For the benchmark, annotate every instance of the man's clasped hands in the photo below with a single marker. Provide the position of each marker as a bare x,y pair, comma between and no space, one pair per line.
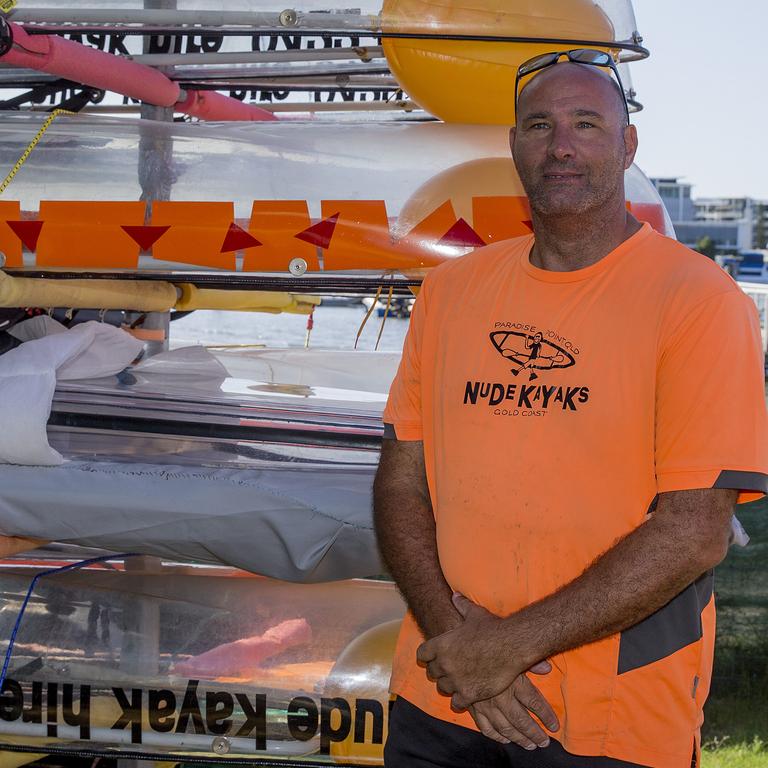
481,665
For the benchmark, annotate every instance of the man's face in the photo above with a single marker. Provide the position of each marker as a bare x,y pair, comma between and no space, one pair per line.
571,145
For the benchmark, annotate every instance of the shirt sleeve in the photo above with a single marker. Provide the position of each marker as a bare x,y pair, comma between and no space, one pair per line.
711,419
402,414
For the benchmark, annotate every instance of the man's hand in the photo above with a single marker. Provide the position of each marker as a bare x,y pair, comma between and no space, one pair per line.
686,536
473,662
507,717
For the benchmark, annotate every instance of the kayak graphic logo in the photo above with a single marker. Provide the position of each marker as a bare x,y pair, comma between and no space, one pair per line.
531,352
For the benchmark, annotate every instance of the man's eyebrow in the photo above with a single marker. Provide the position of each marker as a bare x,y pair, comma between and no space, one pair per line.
578,112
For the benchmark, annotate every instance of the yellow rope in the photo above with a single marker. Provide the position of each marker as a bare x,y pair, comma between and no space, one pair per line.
368,314
32,144
384,318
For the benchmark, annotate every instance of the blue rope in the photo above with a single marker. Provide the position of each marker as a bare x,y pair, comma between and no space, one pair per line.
32,585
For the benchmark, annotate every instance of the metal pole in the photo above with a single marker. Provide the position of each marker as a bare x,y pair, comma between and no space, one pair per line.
141,653
156,176
159,15
158,60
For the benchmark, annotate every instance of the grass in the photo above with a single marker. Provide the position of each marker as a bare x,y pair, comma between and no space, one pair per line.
736,720
735,733
746,755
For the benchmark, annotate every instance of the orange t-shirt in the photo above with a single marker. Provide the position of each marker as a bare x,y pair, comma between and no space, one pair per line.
554,407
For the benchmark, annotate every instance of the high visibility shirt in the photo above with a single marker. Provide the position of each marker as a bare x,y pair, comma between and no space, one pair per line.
554,407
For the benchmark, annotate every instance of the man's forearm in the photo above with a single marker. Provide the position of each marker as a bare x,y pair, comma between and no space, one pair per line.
636,577
687,535
405,528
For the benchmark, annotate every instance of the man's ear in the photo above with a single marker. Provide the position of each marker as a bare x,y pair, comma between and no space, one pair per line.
630,145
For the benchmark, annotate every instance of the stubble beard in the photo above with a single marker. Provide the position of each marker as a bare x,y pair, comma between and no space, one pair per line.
600,189
593,196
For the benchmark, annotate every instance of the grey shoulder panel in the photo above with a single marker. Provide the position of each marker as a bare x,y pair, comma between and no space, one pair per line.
672,627
742,481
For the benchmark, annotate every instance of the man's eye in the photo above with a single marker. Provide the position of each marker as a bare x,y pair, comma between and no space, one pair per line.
539,126
585,124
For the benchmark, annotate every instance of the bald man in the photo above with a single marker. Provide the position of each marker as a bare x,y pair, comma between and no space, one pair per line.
555,539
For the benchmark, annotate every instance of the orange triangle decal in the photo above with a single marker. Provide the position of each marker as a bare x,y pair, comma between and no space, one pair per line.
27,231
237,238
462,235
320,234
145,236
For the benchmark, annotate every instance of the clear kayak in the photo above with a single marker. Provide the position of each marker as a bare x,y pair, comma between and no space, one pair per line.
180,459
170,662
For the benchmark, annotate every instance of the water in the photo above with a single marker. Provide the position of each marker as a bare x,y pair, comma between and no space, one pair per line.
334,327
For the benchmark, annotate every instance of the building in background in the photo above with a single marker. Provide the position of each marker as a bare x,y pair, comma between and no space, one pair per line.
738,209
728,225
676,195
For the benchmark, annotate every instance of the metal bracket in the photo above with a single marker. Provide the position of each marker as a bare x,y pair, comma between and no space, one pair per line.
289,18
297,267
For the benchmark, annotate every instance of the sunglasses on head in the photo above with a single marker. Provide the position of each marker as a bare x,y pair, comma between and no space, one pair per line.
588,56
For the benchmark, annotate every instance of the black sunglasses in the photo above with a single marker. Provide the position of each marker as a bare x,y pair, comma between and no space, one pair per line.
589,56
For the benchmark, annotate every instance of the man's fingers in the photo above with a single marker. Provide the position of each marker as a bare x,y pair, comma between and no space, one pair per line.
461,603
542,668
482,722
515,723
425,653
530,697
434,670
459,703
466,607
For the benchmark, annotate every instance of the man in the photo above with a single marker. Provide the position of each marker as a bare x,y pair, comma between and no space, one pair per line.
532,357
567,526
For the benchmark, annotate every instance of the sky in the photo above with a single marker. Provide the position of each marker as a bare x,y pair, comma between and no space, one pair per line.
705,93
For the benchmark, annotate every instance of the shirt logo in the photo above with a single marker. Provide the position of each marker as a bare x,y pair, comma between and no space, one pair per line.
530,352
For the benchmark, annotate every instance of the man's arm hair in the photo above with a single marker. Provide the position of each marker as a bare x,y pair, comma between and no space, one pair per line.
405,527
686,536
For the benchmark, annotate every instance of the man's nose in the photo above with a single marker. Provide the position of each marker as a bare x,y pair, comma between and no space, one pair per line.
561,145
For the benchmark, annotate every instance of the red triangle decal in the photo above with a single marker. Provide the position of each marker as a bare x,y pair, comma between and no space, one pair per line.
320,234
462,235
528,223
237,238
27,231
145,236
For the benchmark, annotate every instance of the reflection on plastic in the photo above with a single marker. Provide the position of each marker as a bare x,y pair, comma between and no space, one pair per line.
170,661
481,73
344,197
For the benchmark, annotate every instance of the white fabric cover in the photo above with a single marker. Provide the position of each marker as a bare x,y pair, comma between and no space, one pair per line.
302,525
28,376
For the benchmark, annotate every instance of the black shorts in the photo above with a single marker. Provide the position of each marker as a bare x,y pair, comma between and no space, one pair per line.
418,740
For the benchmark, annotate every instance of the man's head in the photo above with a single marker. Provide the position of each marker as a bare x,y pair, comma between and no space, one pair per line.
572,143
